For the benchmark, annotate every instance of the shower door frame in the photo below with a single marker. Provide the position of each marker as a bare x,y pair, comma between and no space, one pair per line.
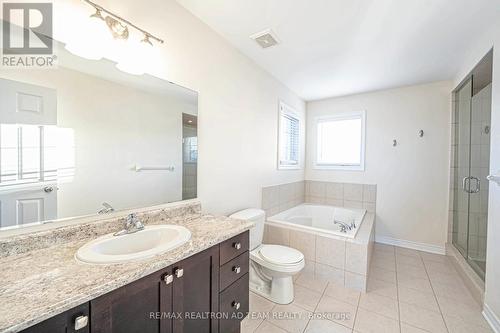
468,183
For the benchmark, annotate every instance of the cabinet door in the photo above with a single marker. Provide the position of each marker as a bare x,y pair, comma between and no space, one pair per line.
65,322
135,308
195,293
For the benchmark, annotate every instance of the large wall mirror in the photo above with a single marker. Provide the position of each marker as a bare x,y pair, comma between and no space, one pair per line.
87,139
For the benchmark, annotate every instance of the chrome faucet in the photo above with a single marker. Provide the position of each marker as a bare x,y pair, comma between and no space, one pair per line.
344,226
107,208
131,224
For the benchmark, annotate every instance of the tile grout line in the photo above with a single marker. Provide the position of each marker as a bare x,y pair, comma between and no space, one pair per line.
345,261
255,329
271,311
356,314
316,307
397,291
434,293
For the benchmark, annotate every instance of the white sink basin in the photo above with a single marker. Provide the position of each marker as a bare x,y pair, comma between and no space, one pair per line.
143,244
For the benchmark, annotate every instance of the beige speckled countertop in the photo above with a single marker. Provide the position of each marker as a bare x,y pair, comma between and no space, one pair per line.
41,283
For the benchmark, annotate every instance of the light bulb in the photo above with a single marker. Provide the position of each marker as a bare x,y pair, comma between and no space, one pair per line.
134,58
92,40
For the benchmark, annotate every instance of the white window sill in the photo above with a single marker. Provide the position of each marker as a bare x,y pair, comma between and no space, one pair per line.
340,167
289,167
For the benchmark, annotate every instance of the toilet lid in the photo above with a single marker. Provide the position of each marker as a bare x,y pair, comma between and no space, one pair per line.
281,255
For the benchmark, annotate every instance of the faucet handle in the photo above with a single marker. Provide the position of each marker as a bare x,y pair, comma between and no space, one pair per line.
134,221
129,221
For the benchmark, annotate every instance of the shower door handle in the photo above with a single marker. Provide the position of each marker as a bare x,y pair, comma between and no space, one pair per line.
478,185
466,184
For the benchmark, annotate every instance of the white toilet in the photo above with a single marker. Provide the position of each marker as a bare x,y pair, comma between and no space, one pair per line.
271,266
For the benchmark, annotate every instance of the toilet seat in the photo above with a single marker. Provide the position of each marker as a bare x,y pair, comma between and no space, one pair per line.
257,256
280,255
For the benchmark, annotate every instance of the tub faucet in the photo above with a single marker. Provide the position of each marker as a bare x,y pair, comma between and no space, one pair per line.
107,208
132,224
343,226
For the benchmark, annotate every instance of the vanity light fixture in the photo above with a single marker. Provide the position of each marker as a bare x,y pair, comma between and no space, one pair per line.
119,26
108,35
118,30
89,45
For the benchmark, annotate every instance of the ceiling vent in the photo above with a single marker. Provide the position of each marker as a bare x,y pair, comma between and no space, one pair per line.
266,38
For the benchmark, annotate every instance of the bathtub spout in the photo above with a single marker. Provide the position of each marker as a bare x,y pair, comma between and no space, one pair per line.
343,226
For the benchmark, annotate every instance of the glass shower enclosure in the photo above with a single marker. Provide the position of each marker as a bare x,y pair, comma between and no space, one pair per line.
470,166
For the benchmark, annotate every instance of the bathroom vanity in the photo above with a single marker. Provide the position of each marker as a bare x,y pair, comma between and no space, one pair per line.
202,286
197,287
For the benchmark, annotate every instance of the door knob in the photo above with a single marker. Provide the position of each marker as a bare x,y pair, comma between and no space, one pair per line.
237,246
237,269
48,189
236,305
179,272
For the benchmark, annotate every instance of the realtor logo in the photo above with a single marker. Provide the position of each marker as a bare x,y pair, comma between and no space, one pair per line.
27,35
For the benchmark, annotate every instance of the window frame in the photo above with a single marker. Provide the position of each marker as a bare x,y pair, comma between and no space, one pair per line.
337,117
21,180
286,110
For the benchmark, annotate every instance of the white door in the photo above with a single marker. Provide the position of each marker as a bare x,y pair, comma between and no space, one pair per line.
28,174
23,103
28,205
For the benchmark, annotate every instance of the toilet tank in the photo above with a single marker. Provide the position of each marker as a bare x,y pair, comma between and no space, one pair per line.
258,216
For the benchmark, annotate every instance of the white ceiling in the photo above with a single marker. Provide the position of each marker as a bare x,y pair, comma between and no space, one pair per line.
340,47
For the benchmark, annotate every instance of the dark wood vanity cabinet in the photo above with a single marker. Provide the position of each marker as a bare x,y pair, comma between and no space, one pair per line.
174,300
195,294
205,293
234,279
65,322
136,307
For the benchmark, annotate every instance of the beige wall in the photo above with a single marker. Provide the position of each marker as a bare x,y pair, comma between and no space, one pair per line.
238,101
492,282
411,178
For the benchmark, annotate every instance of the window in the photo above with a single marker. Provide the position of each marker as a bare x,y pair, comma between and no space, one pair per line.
191,149
341,142
34,154
289,138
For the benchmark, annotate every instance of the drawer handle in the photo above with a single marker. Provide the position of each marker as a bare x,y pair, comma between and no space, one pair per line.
179,272
81,322
237,269
237,246
236,305
169,278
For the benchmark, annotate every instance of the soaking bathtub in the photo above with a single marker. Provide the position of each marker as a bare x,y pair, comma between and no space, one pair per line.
320,218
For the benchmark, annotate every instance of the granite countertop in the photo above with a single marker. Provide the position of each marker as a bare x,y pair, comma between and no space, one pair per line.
42,283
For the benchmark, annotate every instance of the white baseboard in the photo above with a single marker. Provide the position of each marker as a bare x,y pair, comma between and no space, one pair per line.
491,318
411,245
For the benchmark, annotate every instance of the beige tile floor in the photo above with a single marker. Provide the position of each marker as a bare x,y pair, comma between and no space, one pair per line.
408,292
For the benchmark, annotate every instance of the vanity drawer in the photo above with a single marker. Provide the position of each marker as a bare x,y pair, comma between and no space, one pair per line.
233,270
233,247
233,303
